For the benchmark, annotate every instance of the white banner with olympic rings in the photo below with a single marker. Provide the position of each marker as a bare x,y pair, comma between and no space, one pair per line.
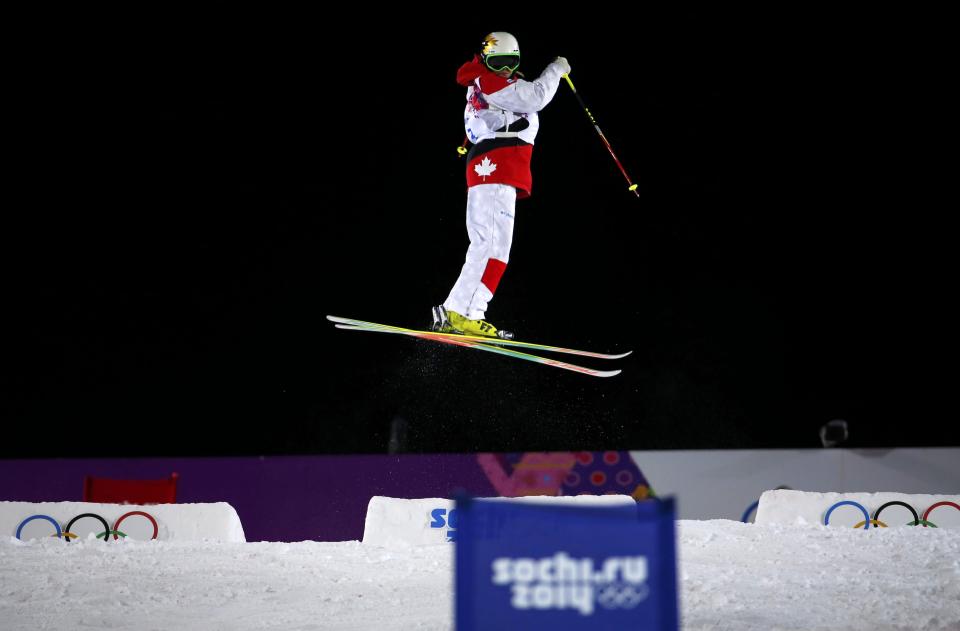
109,522
859,510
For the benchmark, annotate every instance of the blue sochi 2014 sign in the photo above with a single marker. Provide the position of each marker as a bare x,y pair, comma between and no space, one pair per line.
527,566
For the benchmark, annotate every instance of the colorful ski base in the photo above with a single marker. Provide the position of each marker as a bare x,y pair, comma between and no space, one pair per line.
459,340
483,340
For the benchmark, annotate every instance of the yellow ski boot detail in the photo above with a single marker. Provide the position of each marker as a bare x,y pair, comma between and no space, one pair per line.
447,321
480,328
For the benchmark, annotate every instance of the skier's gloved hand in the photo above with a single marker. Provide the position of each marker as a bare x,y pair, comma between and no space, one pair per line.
564,64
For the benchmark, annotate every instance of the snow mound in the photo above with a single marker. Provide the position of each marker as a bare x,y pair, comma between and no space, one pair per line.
731,575
393,522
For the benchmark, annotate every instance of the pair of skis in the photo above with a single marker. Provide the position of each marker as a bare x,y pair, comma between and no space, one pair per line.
488,344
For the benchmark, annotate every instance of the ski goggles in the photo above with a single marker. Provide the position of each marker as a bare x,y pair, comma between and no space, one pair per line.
498,63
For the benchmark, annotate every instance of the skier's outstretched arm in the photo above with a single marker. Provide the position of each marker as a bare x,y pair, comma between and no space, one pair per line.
525,96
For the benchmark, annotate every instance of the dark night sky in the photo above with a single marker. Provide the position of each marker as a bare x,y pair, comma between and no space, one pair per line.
201,190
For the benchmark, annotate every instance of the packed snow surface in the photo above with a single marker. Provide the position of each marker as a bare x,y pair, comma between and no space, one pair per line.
732,576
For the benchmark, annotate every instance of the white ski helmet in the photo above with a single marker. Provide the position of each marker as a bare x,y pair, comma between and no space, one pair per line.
501,51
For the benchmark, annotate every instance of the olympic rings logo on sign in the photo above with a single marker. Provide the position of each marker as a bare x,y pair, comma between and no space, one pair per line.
867,521
622,595
65,533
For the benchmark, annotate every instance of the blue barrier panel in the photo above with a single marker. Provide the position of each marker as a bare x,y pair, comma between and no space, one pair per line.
525,566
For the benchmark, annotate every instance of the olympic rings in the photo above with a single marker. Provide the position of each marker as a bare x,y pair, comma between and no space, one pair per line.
745,518
929,510
866,522
106,527
872,521
620,595
916,518
116,526
53,521
866,515
876,522
107,531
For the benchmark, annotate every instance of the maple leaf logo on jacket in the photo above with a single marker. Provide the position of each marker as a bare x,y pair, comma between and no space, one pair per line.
485,168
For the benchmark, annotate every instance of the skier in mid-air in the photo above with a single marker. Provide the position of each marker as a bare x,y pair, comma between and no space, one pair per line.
501,122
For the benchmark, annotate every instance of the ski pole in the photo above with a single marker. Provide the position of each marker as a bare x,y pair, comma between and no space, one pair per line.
632,186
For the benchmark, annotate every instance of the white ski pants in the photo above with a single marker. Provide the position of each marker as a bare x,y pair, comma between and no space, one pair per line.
490,212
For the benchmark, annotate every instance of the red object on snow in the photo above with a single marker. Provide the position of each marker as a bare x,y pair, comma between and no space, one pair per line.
110,491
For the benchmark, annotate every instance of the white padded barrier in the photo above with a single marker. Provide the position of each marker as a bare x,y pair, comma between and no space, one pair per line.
175,522
802,507
395,522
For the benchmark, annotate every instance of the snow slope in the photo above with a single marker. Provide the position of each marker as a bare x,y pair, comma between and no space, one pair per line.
732,576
